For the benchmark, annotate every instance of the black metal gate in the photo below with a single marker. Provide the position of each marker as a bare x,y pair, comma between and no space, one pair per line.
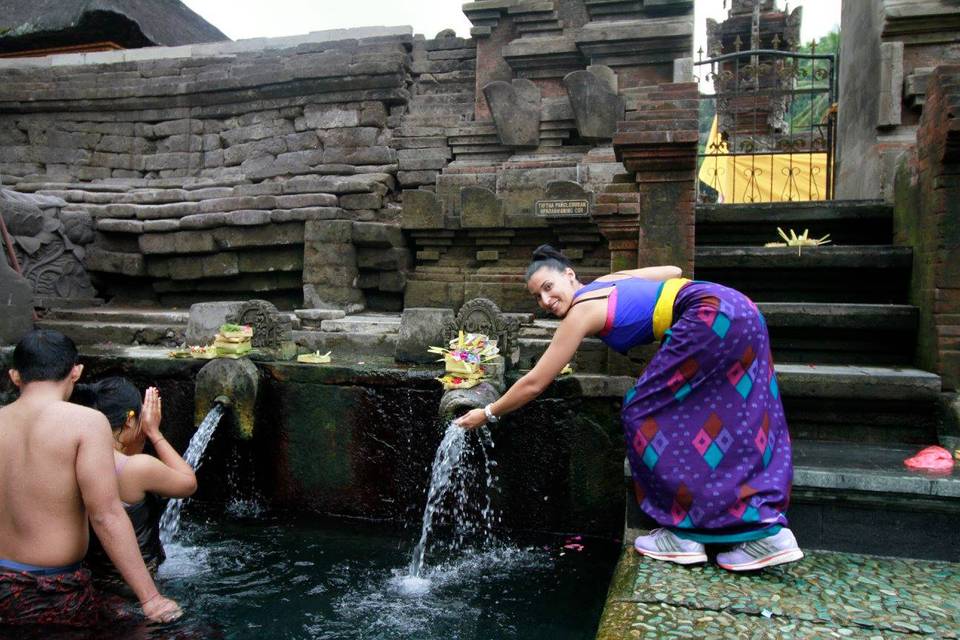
767,133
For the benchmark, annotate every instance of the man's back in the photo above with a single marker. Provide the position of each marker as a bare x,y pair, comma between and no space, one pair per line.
42,519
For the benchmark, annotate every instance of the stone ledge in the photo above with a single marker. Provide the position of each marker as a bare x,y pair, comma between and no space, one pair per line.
836,316
121,315
867,468
224,49
118,333
844,257
854,210
862,382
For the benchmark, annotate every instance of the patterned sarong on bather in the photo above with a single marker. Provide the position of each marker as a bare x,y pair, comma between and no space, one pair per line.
67,599
704,425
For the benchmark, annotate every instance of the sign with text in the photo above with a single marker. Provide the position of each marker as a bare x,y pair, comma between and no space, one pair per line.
563,208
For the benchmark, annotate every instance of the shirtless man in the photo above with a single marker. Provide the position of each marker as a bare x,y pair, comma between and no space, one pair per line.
56,470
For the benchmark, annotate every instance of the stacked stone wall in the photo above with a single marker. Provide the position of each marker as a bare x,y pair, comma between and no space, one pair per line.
201,169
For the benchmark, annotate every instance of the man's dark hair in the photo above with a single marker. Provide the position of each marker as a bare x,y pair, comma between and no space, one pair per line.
44,354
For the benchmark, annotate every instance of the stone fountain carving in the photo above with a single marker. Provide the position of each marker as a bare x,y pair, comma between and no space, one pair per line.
232,383
481,315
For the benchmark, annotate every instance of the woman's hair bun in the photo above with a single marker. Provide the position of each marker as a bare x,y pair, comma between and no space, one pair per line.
547,256
546,252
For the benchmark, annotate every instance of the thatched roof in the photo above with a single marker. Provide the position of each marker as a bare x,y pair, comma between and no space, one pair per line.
40,24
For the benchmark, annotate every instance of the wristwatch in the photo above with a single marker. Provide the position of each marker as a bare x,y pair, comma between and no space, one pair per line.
489,414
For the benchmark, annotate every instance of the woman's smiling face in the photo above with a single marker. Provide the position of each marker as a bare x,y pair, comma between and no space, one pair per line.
553,289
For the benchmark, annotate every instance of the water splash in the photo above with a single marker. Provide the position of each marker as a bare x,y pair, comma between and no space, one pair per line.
248,508
452,475
170,520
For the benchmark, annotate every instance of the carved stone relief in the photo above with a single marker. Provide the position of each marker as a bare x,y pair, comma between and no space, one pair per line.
49,244
270,328
515,107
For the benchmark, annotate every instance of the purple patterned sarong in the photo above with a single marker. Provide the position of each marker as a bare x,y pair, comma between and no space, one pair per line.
704,425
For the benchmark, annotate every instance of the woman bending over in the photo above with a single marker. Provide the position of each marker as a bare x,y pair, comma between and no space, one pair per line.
704,426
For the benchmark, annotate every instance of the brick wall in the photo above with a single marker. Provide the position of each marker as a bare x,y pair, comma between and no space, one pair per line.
928,218
652,221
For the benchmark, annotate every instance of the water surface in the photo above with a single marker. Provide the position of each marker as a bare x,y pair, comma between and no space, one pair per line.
349,580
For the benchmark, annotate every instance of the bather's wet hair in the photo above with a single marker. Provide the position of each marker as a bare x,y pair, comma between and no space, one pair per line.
44,355
114,397
547,256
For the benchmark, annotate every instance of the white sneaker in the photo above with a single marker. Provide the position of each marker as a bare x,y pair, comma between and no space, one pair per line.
765,552
662,544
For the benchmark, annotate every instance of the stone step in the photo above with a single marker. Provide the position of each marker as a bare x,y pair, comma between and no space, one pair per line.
849,222
461,110
118,333
831,402
348,345
856,403
445,87
794,322
432,120
363,323
842,491
841,333
109,315
844,273
858,381
56,302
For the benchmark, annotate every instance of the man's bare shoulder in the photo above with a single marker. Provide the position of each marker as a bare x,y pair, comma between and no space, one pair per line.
75,416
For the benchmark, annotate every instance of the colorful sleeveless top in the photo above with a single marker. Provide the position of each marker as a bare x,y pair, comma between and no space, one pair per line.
639,311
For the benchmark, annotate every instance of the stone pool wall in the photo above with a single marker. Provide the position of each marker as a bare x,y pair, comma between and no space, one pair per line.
358,441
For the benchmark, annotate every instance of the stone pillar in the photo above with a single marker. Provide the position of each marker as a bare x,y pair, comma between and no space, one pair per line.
927,217
330,271
649,220
493,30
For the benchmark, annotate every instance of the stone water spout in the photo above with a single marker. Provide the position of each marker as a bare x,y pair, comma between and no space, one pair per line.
482,315
233,384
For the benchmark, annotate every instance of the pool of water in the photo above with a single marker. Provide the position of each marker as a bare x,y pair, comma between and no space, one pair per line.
256,575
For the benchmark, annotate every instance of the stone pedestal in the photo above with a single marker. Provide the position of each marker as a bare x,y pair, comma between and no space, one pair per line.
420,329
206,319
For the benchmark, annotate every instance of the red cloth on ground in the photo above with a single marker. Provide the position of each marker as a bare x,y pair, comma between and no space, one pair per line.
931,459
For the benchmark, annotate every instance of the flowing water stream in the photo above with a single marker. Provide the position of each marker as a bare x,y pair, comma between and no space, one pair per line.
451,480
170,520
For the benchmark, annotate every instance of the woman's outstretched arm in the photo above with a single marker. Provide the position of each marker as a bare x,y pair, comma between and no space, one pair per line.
582,320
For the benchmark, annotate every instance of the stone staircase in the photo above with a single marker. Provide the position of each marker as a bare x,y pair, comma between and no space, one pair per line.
842,336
